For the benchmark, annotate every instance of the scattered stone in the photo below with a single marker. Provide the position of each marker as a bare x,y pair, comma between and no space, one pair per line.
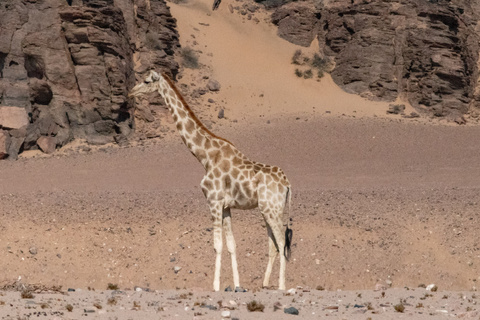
213,85
291,310
432,287
221,114
33,250
396,109
226,314
47,144
71,290
460,120
210,100
4,144
291,291
176,269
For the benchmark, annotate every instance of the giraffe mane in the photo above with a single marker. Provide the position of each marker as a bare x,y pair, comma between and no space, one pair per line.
187,107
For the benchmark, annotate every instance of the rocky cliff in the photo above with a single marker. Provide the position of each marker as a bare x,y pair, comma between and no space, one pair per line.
66,67
424,51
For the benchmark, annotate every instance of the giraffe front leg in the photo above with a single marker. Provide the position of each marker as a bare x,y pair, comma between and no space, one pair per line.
272,254
231,246
216,211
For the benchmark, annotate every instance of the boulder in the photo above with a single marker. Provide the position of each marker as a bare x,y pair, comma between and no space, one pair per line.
47,144
4,144
297,22
13,117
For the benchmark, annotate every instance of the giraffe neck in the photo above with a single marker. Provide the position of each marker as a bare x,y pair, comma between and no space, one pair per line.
193,133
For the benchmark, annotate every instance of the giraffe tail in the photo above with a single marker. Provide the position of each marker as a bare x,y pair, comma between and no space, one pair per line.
288,231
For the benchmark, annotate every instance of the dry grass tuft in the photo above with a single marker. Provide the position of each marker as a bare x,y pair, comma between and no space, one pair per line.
254,306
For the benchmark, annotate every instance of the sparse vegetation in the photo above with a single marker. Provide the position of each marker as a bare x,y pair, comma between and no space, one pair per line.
296,57
399,307
69,308
189,58
112,301
308,74
254,306
112,286
320,288
44,306
419,305
136,305
321,65
27,294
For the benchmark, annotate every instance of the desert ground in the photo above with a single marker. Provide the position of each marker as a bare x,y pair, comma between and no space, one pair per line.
382,206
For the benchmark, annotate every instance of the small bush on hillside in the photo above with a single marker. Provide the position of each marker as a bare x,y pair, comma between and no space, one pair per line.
317,63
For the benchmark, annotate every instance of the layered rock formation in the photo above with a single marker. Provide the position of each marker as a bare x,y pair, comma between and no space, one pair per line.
424,51
67,66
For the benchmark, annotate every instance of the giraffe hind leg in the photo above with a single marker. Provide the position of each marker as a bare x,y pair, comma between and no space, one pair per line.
272,254
274,221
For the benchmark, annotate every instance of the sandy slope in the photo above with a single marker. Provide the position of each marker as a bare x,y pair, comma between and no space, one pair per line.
254,66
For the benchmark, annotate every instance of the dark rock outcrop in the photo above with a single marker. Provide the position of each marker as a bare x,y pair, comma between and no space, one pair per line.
70,65
424,51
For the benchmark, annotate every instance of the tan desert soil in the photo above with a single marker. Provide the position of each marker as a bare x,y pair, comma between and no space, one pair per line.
375,202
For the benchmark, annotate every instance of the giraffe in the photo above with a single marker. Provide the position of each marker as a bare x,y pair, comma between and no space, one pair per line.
231,181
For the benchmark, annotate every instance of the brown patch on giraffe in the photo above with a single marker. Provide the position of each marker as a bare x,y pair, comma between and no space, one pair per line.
207,144
207,184
227,151
217,184
214,156
216,144
274,169
198,139
237,161
217,173
179,126
200,154
175,117
190,126
225,166
182,114
235,172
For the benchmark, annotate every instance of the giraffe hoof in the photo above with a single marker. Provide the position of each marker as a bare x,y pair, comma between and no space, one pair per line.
228,289
240,289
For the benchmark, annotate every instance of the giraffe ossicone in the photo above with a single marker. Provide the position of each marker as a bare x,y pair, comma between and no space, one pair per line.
231,181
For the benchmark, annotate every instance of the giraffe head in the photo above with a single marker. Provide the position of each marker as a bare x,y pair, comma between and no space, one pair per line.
150,84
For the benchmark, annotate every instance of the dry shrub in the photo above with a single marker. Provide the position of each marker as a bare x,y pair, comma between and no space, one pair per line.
254,306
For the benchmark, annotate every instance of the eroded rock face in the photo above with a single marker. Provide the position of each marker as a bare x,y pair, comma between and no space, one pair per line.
70,64
425,51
